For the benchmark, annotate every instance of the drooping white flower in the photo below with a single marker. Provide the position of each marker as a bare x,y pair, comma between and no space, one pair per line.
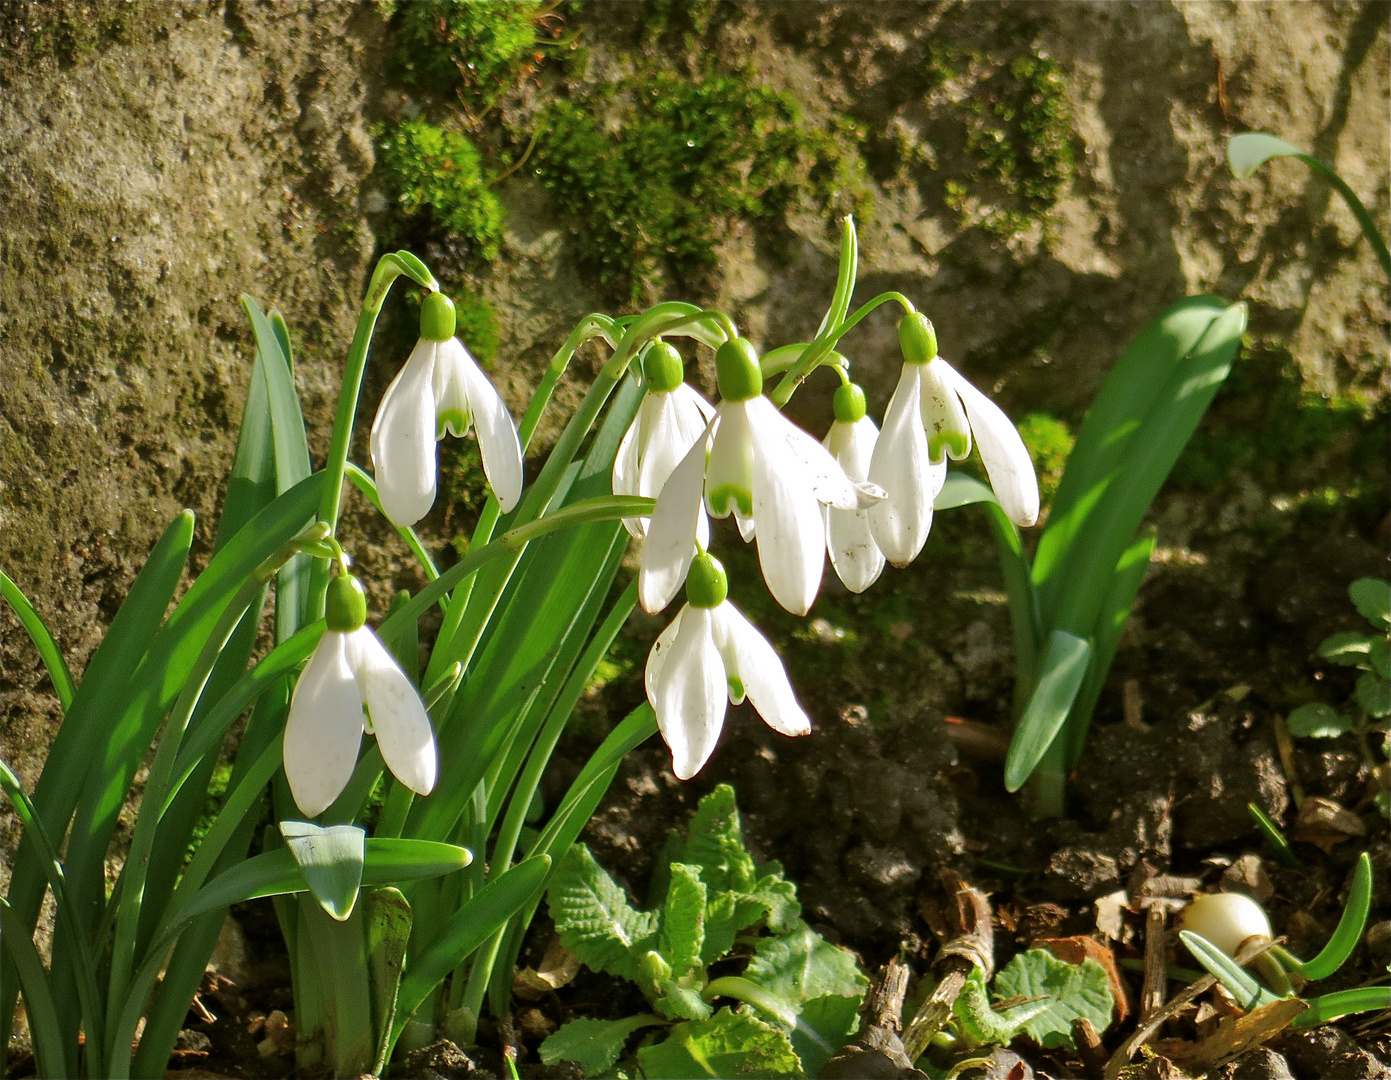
854,554
441,387
351,685
670,419
772,476
711,656
932,416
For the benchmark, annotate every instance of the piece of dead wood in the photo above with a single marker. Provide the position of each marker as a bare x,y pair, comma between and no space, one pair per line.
877,1051
1234,1036
1089,1049
972,947
1156,983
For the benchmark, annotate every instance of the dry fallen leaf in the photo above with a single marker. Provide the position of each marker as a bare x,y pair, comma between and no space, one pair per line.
1325,824
1234,1035
1247,875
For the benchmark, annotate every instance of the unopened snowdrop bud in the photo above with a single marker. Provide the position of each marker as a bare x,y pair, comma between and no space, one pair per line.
1227,920
917,338
441,388
662,368
707,585
351,685
437,317
737,370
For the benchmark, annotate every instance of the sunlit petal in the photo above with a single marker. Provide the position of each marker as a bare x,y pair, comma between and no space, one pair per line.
829,484
324,727
497,434
900,465
760,670
689,695
943,418
857,560
1006,459
729,476
403,440
791,530
398,716
671,534
625,470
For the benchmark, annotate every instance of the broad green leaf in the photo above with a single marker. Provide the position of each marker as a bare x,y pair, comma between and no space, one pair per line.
729,1044
801,965
330,860
473,923
1379,657
683,920
1373,693
715,844
1060,677
779,897
678,1002
1241,984
1250,150
43,641
962,489
1317,721
595,920
1348,648
1071,990
1349,929
594,1045
824,1025
1372,596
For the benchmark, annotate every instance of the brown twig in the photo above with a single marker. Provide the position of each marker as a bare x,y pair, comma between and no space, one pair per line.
1156,979
973,947
1089,1048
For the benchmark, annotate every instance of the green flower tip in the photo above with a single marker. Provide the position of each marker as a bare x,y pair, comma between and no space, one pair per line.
345,605
737,370
437,317
849,404
706,583
917,339
662,367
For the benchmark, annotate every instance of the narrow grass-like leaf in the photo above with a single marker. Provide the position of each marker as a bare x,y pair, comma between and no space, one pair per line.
1060,676
387,917
1330,1007
1249,993
43,641
45,1034
1273,836
1333,955
330,858
472,924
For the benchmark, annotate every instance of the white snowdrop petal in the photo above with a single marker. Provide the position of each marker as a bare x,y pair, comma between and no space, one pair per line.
403,440
497,434
690,405
671,534
404,735
1006,459
900,465
791,530
761,671
942,414
689,695
661,649
829,484
729,475
324,728
663,450
857,560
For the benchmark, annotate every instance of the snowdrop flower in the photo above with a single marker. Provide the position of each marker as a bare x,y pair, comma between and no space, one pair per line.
710,656
931,417
670,419
854,554
351,685
772,476
441,387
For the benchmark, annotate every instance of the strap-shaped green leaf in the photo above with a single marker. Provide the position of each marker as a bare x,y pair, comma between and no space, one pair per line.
1330,1007
1060,676
1333,955
1248,992
330,858
45,1033
43,641
475,922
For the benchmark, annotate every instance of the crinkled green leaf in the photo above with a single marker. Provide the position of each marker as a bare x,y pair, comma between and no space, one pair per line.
1372,596
1373,693
729,1044
1317,721
715,843
678,1002
1349,648
683,919
801,965
593,1045
1072,990
726,914
594,918
779,898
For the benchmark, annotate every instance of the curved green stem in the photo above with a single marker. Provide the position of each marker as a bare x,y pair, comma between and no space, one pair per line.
1360,212
822,348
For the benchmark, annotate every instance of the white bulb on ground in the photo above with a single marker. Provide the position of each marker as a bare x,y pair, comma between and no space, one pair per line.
1226,920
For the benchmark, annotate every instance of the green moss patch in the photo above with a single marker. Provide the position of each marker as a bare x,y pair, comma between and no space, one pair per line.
472,47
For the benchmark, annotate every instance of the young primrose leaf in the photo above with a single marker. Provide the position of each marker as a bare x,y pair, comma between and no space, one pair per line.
728,1044
683,920
802,965
1072,990
1372,596
594,918
593,1045
1317,721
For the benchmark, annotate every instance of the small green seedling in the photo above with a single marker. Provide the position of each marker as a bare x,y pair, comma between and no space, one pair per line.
805,993
1251,994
